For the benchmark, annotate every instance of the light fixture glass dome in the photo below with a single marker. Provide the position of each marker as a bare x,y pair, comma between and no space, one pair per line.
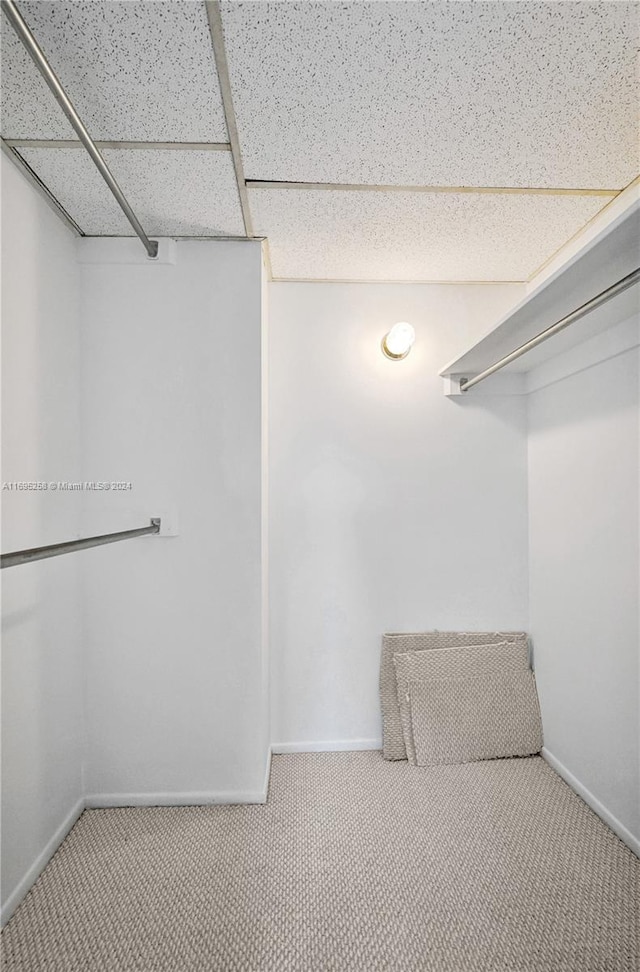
398,342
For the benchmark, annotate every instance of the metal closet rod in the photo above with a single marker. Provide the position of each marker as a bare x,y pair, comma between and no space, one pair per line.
601,298
18,23
56,549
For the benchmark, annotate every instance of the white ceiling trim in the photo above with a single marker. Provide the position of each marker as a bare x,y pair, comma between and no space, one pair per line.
377,280
495,190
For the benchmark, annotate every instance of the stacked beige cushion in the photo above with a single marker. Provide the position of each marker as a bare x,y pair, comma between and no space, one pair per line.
392,735
466,662
461,720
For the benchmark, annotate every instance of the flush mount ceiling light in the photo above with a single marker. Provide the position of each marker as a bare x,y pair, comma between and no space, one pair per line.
398,342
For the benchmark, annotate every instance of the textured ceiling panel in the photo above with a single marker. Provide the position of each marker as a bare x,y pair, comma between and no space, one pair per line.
134,71
172,193
394,235
454,94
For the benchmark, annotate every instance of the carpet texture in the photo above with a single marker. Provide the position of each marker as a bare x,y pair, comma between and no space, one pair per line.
459,720
354,865
467,662
392,737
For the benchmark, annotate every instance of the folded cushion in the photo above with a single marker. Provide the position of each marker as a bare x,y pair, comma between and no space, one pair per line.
392,738
461,720
467,662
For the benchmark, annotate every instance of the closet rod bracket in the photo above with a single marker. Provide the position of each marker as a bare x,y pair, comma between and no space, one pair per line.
17,557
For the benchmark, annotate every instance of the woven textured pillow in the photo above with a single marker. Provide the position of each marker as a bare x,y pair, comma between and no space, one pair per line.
392,739
461,720
468,662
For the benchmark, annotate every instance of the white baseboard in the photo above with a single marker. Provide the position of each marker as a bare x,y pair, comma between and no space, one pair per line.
619,829
40,862
267,777
328,746
101,801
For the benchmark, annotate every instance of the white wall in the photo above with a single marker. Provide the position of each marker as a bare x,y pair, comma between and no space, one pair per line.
176,658
42,709
584,540
392,507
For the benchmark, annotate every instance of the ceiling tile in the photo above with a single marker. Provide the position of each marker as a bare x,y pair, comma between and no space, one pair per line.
453,94
173,193
136,71
396,235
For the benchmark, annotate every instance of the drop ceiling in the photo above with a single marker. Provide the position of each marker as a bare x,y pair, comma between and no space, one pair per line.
172,192
366,141
138,71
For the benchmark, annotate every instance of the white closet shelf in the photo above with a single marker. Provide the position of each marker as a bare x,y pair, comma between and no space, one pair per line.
609,252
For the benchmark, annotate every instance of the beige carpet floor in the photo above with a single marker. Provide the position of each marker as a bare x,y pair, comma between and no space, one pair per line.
354,864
